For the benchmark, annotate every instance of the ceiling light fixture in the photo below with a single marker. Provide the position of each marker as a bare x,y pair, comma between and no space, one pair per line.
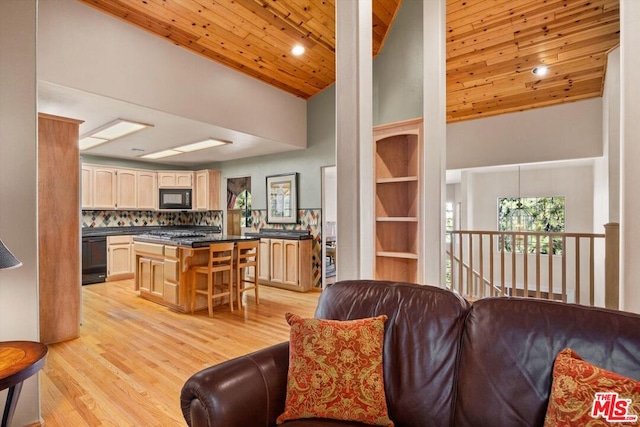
196,146
540,71
297,50
112,130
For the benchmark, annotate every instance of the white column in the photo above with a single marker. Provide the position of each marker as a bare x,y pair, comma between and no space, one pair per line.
435,138
354,134
630,156
18,186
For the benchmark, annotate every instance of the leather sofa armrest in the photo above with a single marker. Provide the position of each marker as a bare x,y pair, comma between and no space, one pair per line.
246,391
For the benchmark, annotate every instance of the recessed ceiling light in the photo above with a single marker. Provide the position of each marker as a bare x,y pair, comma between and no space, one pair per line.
540,71
297,50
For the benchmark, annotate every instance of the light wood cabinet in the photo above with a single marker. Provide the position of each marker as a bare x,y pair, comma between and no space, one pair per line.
285,264
398,181
123,188
158,274
171,284
127,188
149,274
264,260
104,188
58,190
175,179
118,188
147,190
207,190
86,183
119,257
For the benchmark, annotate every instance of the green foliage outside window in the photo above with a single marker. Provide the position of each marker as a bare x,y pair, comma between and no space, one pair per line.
535,214
243,202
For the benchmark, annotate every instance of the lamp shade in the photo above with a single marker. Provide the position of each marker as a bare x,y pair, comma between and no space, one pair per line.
7,260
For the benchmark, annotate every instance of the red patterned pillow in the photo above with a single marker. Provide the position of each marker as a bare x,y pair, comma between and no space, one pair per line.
335,370
585,395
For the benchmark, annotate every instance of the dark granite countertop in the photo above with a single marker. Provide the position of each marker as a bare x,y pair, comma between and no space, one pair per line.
272,233
124,231
192,242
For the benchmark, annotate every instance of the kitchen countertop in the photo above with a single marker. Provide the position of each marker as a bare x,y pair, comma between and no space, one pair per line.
192,242
124,231
272,233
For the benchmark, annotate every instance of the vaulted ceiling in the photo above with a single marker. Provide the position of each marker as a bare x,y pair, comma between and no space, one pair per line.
492,45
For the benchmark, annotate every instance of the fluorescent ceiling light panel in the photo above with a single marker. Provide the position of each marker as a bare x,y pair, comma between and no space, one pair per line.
196,146
90,141
118,129
115,129
161,154
202,145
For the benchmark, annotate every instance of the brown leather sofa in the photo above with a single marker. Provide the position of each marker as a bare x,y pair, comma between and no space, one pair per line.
446,363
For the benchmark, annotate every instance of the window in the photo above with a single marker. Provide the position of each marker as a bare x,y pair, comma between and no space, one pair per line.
532,214
243,203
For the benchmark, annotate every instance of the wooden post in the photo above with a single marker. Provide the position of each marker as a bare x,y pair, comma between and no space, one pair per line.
612,265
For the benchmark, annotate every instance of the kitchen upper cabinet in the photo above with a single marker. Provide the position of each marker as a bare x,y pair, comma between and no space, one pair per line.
126,182
118,188
86,183
104,188
175,179
207,190
99,187
147,190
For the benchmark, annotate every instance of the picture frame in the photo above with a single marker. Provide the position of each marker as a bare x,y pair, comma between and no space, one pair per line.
282,198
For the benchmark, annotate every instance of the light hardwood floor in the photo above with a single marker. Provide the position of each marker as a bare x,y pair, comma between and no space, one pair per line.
133,356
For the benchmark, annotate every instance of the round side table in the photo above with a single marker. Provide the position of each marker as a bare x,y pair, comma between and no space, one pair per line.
18,361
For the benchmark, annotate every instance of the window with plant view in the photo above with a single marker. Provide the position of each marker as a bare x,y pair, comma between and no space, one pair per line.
532,214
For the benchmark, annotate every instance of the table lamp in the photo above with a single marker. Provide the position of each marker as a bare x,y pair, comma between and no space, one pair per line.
7,260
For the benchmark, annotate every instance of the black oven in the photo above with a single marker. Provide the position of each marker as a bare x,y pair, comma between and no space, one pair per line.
94,259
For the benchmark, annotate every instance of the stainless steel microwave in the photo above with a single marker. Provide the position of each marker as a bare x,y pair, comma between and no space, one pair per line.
175,198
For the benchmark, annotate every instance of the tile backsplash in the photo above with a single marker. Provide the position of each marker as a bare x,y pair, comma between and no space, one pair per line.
148,218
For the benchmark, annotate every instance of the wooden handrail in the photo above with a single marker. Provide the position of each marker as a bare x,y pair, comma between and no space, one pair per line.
470,262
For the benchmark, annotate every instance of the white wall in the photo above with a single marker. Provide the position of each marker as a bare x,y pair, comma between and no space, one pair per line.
574,180
330,212
18,186
563,132
630,155
82,48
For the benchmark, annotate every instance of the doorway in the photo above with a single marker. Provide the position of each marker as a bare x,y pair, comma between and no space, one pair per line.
238,205
329,224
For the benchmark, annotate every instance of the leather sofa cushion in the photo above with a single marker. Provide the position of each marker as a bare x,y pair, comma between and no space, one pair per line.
422,339
509,346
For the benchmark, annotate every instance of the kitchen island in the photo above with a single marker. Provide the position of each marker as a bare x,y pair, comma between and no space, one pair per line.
162,263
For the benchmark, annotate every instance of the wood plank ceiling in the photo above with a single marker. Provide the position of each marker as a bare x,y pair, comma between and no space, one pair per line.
492,45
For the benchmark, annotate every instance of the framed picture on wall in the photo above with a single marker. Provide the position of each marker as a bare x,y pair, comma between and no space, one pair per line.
282,199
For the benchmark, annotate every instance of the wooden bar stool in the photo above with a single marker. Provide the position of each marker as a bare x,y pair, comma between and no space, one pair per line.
247,257
220,261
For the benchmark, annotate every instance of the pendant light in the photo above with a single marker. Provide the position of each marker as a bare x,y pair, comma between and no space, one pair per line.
519,219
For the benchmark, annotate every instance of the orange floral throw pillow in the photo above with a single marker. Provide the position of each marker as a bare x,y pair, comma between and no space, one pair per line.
335,370
585,395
